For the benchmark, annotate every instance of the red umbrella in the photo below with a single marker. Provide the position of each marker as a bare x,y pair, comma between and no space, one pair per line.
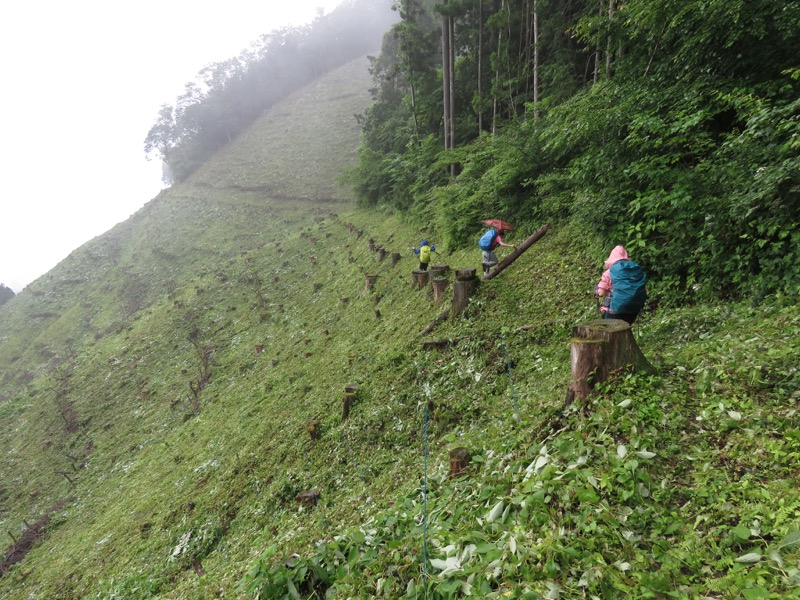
498,224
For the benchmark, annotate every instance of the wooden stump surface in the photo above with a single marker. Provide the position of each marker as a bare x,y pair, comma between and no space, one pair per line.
601,349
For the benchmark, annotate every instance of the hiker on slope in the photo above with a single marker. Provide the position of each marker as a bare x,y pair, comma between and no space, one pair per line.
424,251
623,286
488,242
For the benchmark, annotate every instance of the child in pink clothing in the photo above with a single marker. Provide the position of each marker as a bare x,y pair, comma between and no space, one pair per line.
632,280
605,286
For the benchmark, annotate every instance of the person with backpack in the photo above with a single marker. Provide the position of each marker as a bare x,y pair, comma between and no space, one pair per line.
425,250
488,242
623,284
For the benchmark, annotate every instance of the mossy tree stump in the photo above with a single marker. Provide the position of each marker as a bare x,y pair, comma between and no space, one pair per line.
600,350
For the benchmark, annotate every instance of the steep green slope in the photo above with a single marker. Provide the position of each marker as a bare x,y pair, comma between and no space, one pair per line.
185,354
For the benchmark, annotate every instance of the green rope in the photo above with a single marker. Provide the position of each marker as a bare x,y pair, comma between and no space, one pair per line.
425,507
510,377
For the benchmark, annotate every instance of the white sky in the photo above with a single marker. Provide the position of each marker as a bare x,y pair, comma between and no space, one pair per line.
82,84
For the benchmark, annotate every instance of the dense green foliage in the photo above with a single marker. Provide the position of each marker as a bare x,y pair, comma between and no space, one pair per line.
230,95
673,128
159,387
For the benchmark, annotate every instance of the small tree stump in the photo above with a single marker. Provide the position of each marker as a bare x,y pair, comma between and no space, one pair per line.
370,282
314,428
381,253
308,498
420,279
459,461
600,350
395,258
371,245
259,349
439,287
464,287
350,393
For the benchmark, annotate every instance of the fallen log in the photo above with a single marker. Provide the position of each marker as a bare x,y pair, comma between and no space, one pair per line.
516,253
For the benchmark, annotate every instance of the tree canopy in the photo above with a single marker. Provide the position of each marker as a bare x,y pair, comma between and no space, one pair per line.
228,96
6,294
670,127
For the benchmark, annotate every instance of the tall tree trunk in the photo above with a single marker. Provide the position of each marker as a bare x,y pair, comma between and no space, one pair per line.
528,44
535,59
446,77
480,66
495,87
451,54
612,7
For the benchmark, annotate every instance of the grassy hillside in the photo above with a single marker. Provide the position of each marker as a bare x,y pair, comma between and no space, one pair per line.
159,385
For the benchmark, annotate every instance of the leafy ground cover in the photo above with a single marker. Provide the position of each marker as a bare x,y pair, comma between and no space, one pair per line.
169,392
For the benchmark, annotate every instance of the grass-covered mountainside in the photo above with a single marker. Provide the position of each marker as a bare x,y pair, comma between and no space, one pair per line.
161,386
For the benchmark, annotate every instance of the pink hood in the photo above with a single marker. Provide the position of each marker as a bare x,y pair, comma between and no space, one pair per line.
618,253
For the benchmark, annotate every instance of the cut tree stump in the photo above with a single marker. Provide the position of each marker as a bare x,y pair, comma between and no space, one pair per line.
459,461
439,287
395,258
438,271
420,279
314,428
464,287
308,498
369,282
350,392
600,350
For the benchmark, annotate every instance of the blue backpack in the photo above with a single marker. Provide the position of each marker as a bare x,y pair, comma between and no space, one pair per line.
628,281
487,240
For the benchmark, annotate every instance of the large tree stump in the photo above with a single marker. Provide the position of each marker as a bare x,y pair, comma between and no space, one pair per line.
464,287
600,350
420,279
